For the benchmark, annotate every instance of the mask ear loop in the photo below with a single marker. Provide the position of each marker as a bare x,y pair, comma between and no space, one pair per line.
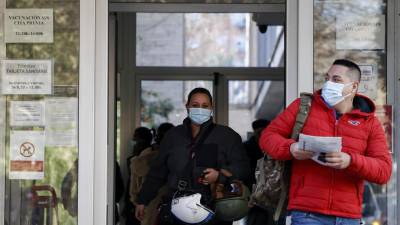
352,90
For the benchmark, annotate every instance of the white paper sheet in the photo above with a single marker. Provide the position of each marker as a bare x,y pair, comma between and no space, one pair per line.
61,122
28,26
27,155
27,113
320,145
26,77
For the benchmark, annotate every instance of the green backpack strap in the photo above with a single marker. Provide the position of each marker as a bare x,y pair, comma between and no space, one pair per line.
304,109
305,103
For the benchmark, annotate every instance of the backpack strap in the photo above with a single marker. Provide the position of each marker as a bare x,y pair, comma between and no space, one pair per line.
302,114
304,108
184,181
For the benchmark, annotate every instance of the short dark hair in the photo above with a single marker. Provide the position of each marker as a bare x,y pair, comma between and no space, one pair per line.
144,134
201,91
164,127
260,123
354,69
161,131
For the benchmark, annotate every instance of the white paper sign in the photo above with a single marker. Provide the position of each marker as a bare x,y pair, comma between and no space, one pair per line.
27,113
27,155
28,25
365,33
369,81
26,77
61,122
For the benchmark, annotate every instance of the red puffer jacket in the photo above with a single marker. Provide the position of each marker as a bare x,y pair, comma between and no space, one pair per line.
321,189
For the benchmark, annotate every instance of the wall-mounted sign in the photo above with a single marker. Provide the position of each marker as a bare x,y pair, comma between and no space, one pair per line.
28,25
26,77
61,122
369,81
27,155
27,113
360,33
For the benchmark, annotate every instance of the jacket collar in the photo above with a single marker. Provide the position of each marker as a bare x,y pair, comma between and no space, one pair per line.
187,124
362,105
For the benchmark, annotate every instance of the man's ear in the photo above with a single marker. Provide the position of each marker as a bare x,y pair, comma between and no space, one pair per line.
355,86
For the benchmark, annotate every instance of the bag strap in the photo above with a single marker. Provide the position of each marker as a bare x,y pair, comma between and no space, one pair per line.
301,117
304,108
185,178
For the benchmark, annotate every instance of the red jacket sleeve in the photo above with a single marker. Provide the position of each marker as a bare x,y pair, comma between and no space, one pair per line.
376,165
275,139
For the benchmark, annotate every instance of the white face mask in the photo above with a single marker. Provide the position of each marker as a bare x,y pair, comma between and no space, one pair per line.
199,115
333,92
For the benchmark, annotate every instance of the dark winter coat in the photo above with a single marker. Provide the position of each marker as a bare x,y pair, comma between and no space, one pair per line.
222,149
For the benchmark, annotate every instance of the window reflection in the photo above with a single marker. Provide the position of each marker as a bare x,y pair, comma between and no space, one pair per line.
208,40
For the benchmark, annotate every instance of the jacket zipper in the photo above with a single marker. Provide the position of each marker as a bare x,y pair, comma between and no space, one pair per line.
333,171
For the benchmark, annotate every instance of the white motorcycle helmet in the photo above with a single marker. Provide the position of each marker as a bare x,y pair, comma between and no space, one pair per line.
189,210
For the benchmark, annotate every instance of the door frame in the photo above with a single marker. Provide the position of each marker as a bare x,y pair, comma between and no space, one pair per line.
127,71
396,113
93,114
94,160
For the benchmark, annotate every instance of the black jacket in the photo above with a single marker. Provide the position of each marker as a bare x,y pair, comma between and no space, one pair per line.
222,149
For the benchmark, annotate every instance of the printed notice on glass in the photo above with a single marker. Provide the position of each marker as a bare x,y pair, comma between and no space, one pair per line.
61,122
27,155
28,25
26,77
27,113
320,145
369,81
360,33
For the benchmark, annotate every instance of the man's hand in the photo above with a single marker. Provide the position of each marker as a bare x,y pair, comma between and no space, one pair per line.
139,212
337,160
300,154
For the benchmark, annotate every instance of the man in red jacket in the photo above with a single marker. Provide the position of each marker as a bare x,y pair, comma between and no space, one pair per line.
332,193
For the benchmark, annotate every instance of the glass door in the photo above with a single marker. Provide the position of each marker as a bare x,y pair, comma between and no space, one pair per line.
176,52
39,53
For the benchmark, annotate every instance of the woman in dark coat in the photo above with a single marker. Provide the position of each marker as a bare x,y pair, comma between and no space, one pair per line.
217,147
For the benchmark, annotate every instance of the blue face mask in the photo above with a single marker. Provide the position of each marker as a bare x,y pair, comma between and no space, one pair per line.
199,115
333,92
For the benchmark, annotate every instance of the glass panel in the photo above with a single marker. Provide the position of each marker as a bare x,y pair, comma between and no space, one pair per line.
40,89
252,100
203,1
209,39
356,30
164,101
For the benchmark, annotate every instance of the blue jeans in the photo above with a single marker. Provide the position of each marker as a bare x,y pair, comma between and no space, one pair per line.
308,218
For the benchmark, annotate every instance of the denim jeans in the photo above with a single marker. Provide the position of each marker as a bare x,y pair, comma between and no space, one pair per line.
308,218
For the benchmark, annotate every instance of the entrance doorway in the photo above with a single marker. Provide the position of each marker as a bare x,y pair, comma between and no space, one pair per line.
160,56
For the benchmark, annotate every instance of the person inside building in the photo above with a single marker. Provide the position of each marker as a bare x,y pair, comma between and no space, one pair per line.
193,157
141,141
257,215
329,190
140,166
160,133
253,150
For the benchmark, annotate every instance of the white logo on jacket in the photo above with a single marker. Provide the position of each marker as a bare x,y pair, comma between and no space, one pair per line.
354,122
